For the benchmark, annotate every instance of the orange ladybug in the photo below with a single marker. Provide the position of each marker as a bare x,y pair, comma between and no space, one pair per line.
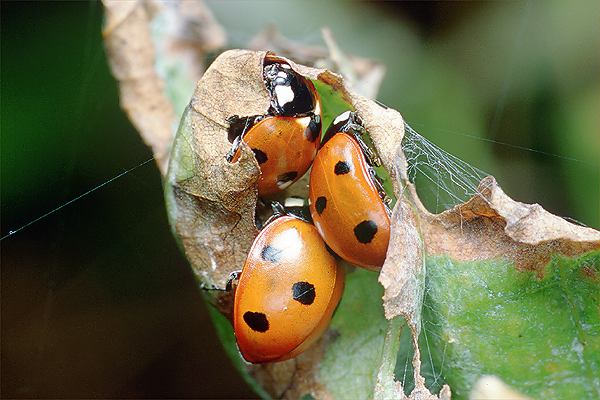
286,141
287,292
345,203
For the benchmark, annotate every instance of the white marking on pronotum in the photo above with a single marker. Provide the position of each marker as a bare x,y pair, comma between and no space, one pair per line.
341,117
284,94
318,108
294,202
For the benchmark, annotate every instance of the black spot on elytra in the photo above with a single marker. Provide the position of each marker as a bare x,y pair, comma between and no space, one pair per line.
365,231
303,292
256,321
287,177
270,253
260,155
320,204
341,168
313,129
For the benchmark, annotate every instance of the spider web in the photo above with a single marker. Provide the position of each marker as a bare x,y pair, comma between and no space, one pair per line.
442,179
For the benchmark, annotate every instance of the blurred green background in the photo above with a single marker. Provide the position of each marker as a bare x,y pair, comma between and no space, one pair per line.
96,299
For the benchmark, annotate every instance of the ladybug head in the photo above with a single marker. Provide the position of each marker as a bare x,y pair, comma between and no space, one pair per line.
291,94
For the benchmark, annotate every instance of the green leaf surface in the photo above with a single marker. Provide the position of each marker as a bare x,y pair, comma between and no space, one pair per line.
349,368
541,336
332,104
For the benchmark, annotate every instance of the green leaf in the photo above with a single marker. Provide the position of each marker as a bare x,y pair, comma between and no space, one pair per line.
332,104
541,336
349,367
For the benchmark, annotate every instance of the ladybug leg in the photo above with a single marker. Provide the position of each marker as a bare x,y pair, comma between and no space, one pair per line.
209,288
267,211
238,126
231,284
295,207
234,148
232,281
387,201
278,209
357,131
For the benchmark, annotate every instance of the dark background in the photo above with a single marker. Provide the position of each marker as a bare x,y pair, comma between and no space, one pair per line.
97,301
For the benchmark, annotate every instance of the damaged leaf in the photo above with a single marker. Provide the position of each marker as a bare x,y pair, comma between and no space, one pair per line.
155,50
492,225
456,287
212,201
212,206
539,336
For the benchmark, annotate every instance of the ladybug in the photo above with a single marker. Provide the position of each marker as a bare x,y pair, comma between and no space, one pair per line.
286,293
286,140
346,200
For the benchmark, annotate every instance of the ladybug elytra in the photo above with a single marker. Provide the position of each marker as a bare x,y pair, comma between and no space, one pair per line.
345,202
287,292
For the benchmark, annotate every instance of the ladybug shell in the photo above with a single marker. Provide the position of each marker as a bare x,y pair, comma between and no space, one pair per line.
345,204
287,292
284,147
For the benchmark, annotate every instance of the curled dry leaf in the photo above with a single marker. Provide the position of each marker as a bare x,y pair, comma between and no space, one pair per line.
132,47
491,225
212,203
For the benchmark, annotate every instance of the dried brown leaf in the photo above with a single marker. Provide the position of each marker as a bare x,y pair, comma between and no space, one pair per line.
131,52
215,205
491,225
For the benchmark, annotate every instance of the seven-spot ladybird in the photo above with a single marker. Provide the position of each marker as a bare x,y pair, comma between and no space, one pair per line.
287,292
286,141
345,203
